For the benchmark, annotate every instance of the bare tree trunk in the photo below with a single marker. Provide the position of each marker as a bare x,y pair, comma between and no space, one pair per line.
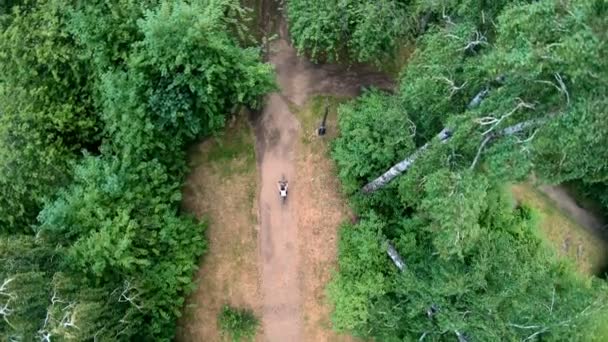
443,136
479,97
402,166
397,260
476,101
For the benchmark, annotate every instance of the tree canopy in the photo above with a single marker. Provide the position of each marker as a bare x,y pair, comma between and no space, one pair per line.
520,88
97,106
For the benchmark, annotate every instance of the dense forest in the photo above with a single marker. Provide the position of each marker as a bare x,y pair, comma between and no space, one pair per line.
98,101
495,91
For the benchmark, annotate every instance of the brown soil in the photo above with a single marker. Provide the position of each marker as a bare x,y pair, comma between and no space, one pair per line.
228,273
297,239
321,210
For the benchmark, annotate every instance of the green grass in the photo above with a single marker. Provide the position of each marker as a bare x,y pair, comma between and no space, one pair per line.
568,239
311,115
233,152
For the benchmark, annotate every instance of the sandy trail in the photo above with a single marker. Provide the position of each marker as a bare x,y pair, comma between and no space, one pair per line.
277,131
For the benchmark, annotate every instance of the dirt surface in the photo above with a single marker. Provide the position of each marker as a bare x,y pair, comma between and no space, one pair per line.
566,203
321,210
228,273
288,249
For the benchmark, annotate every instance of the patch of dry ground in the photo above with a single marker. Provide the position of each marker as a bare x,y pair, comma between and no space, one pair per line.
569,234
222,188
321,209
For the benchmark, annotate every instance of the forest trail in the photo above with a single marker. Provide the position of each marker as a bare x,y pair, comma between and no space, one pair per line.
594,223
277,133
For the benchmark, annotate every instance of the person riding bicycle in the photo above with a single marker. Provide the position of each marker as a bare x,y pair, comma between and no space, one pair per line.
283,185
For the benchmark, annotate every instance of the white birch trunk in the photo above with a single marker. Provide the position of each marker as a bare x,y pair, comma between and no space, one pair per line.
443,136
402,166
397,260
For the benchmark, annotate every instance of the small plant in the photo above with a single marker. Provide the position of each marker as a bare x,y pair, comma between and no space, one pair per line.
237,324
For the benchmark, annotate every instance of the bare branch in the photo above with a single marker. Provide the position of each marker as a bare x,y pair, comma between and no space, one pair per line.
495,122
453,87
69,316
524,326
45,336
530,138
447,18
535,334
562,87
451,35
5,311
3,288
479,39
552,301
479,150
125,296
55,298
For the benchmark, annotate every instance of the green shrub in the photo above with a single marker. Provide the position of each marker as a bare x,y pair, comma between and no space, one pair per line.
238,324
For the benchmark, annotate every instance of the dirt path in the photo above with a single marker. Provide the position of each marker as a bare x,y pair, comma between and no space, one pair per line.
583,216
277,131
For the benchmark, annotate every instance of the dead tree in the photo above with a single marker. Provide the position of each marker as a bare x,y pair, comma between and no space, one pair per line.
461,337
446,134
476,101
482,94
394,255
405,164
129,296
443,136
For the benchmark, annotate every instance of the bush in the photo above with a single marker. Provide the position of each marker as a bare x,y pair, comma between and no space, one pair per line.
238,324
367,30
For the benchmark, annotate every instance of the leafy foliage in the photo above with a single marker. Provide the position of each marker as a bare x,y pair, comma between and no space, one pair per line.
47,109
367,30
95,122
372,31
369,144
476,268
239,324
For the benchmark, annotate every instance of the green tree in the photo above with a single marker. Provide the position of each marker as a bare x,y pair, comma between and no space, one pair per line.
366,31
369,143
47,109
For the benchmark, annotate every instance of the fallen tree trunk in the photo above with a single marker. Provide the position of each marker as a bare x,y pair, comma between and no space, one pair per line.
443,136
402,166
476,101
394,255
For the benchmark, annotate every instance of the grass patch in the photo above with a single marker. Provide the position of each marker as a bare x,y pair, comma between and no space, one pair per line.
232,152
237,324
311,116
568,238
